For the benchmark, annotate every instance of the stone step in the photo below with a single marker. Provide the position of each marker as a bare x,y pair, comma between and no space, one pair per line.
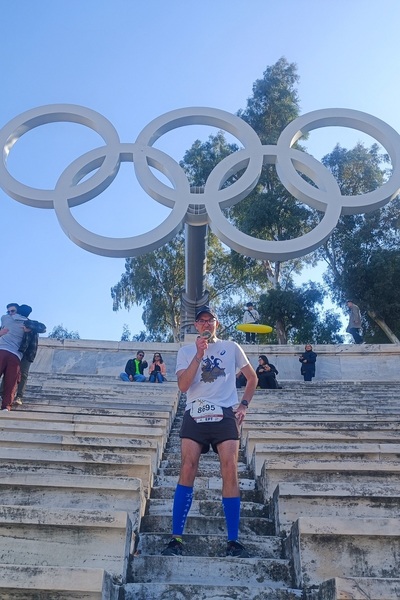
74,462
73,491
251,437
229,571
328,471
201,525
322,548
96,403
294,500
210,544
79,442
251,495
363,452
214,483
87,429
204,470
358,588
329,411
43,536
71,414
156,591
22,582
206,507
352,425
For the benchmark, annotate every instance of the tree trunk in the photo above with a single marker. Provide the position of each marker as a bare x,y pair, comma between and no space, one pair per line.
382,324
280,332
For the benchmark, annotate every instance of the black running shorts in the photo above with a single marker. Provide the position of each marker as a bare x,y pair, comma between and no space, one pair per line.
210,434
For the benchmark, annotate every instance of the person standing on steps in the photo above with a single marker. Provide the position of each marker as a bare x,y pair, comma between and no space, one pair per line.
29,347
252,317
11,333
354,326
308,360
206,371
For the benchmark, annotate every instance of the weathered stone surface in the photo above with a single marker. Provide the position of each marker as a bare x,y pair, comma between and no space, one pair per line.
21,582
293,500
83,393
341,362
185,570
335,471
357,547
251,437
73,491
358,588
187,591
362,452
59,537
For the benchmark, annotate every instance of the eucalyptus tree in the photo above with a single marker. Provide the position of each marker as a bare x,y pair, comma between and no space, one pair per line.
59,332
156,280
300,316
362,254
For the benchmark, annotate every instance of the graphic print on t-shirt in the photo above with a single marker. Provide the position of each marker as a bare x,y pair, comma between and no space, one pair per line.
211,369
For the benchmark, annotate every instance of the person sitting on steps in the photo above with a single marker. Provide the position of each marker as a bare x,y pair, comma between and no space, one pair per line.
157,369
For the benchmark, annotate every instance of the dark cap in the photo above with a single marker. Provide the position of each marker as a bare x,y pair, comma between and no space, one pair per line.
205,309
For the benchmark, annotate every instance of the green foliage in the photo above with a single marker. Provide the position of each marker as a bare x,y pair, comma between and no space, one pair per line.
274,102
362,253
298,311
202,157
59,332
375,288
155,281
126,333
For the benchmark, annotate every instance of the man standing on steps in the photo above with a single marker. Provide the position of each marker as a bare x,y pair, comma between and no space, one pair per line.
354,326
251,317
206,371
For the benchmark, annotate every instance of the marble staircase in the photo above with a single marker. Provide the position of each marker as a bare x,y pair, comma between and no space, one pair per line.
88,466
204,572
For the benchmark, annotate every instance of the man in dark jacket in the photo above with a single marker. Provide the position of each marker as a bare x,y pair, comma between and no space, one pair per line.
134,368
28,347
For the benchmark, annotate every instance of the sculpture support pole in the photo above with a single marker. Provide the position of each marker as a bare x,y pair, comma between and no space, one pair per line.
194,295
195,272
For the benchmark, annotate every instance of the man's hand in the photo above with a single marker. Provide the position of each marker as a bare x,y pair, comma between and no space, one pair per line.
3,331
201,345
240,413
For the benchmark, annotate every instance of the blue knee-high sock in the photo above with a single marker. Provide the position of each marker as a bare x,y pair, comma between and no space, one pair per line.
232,516
182,502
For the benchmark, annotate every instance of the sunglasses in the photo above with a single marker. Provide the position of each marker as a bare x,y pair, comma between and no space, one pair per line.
11,311
205,321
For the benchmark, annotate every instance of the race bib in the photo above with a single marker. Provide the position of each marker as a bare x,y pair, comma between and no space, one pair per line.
203,411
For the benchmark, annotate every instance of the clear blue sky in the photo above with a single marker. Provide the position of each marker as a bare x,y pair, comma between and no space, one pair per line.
133,60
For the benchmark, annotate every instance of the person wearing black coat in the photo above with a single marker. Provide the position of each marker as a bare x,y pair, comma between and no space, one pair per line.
308,359
266,373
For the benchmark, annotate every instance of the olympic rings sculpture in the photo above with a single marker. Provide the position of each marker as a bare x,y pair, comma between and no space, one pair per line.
72,189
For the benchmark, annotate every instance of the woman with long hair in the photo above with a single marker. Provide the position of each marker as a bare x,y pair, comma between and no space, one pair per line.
157,369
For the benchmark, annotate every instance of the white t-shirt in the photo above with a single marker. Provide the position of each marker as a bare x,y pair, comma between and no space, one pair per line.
215,379
250,315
